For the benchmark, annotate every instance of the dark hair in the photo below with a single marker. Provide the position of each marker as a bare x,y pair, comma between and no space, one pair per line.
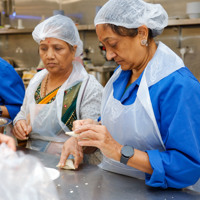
71,48
130,32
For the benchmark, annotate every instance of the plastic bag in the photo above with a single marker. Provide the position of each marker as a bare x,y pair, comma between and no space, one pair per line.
24,177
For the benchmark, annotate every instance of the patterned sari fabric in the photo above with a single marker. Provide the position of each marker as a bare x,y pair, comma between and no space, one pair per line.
69,102
69,105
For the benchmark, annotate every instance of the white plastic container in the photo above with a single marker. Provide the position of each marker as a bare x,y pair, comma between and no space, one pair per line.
193,10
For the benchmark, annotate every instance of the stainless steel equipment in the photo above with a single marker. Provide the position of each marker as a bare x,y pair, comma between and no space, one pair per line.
90,182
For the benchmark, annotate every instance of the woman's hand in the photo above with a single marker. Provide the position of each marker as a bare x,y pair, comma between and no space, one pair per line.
71,147
98,136
8,140
21,130
79,123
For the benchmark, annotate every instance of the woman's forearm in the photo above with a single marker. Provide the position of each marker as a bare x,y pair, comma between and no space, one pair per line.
5,112
140,161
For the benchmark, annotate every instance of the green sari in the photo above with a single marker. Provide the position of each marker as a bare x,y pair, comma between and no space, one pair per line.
69,102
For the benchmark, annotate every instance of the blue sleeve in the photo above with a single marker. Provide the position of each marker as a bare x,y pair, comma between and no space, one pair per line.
12,89
176,104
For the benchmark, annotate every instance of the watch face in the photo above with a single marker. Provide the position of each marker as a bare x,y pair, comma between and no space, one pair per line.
127,151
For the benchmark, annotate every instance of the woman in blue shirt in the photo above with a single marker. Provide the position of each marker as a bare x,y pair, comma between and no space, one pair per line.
151,105
12,90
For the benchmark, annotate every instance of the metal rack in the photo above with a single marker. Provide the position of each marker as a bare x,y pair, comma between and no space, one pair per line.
171,22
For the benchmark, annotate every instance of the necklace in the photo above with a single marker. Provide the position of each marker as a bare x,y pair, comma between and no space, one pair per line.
45,86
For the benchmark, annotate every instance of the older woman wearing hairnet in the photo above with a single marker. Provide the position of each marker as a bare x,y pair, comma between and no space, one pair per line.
59,94
151,105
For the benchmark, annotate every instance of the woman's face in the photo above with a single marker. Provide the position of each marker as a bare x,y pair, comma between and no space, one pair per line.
126,51
56,55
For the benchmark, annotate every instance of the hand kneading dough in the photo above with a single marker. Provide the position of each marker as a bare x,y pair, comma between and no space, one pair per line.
71,133
68,165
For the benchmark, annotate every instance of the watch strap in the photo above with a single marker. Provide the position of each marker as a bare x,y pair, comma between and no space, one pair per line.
124,159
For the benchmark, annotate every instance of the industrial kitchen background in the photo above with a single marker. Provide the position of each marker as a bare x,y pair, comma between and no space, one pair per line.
19,17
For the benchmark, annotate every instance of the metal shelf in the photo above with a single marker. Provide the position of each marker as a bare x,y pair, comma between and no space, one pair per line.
11,31
172,22
183,22
85,27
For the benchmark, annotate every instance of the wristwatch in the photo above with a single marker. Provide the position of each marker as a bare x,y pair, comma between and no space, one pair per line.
1,112
126,153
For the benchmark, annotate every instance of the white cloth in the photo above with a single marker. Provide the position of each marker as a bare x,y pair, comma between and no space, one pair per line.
46,118
135,124
133,14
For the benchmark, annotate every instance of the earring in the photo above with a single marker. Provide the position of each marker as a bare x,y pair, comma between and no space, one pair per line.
144,42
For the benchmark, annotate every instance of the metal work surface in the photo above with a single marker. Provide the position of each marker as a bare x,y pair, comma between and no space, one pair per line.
93,183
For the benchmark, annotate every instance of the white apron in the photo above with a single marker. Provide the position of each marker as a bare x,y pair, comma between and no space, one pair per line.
135,124
45,119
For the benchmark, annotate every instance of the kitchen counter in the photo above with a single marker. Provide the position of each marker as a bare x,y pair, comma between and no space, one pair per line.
93,183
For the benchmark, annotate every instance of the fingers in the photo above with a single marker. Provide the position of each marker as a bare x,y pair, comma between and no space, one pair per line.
9,141
18,135
88,134
85,127
78,123
89,143
78,156
89,121
71,147
21,130
11,144
64,155
90,138
91,132
94,136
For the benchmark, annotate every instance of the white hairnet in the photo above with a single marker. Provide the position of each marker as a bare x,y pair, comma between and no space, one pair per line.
60,27
133,14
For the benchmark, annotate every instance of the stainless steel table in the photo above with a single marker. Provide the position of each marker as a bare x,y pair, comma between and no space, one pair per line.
93,183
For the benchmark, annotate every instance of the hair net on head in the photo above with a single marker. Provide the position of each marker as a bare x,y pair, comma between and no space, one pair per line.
133,14
60,27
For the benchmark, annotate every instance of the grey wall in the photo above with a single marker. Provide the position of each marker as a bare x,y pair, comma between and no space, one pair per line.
83,12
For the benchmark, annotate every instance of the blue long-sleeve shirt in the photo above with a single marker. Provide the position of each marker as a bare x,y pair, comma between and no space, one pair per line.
11,88
176,104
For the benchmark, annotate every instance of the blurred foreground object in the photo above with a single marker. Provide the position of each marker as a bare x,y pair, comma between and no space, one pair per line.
8,140
35,181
